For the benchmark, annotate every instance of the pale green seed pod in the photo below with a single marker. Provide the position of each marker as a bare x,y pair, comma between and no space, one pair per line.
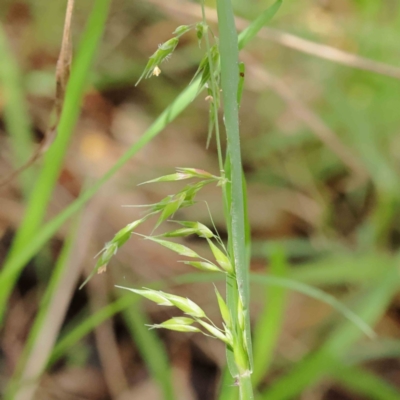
186,305
221,258
203,266
229,335
182,232
198,228
241,357
169,46
110,249
200,28
168,178
240,314
181,30
171,208
226,316
163,52
180,324
153,295
183,320
215,332
125,233
176,247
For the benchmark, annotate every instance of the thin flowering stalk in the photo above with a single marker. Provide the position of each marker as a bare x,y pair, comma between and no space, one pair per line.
220,65
214,90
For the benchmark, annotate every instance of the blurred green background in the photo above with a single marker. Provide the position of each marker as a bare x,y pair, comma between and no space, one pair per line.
320,127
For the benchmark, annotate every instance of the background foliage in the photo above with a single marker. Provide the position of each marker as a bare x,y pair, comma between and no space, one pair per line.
321,154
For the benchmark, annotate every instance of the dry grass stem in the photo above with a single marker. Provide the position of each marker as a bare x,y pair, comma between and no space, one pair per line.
182,10
50,329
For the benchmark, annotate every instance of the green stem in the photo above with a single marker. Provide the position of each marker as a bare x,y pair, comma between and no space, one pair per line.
229,55
245,387
214,88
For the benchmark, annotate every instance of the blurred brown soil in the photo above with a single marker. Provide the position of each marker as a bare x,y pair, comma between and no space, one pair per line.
114,115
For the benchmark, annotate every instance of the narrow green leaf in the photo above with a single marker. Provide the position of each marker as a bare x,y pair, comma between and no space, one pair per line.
251,31
318,364
269,323
151,349
223,308
318,295
221,258
365,383
228,389
229,58
87,325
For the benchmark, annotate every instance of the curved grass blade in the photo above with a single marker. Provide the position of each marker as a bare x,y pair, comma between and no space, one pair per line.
318,364
151,349
318,295
251,31
269,323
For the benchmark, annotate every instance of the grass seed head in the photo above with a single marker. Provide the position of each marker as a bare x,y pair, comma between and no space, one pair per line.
186,305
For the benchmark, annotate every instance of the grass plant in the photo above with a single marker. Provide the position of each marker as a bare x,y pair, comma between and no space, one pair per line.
222,76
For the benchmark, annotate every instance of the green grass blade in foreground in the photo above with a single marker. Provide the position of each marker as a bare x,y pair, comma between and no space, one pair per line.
310,370
355,321
318,295
229,56
369,352
151,349
343,268
15,111
231,284
36,332
229,53
365,383
251,31
54,157
87,325
269,324
15,264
